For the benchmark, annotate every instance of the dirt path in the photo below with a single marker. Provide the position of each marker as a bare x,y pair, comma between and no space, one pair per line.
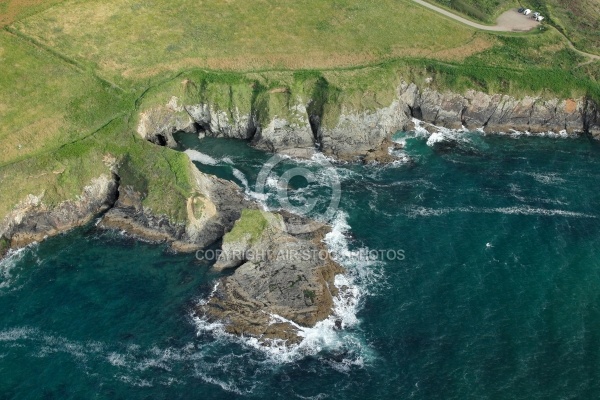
592,57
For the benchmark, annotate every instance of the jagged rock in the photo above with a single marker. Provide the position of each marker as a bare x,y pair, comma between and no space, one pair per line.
357,134
591,119
32,220
283,281
219,123
129,215
287,128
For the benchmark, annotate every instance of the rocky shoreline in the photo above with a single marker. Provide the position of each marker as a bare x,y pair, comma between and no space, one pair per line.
299,129
270,297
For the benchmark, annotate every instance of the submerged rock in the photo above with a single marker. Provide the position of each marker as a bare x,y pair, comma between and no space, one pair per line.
282,283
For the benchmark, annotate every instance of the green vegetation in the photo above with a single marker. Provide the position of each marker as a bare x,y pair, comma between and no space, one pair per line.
579,20
45,103
250,226
310,294
4,246
138,40
159,173
77,73
483,10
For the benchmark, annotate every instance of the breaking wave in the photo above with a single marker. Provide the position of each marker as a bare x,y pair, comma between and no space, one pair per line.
524,210
8,269
339,334
202,158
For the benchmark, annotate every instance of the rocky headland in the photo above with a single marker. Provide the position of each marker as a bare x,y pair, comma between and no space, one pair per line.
282,281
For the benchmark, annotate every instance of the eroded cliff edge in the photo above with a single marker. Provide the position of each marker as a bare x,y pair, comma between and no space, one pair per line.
300,118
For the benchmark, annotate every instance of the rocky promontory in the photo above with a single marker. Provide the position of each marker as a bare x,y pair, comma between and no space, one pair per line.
32,220
282,282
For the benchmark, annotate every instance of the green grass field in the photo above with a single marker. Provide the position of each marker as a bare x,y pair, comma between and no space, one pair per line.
45,102
133,39
76,73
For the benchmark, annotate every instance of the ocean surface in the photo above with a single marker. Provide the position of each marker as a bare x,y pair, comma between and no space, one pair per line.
497,295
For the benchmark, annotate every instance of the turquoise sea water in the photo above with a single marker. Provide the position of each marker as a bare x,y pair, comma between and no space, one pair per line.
498,295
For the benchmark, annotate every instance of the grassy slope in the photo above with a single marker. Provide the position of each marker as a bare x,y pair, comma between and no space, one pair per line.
251,225
482,10
46,103
12,10
578,19
242,35
60,122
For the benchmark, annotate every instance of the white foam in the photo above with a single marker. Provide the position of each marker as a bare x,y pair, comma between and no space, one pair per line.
227,160
562,134
15,334
517,210
7,268
361,278
443,134
419,129
242,178
202,158
131,366
547,179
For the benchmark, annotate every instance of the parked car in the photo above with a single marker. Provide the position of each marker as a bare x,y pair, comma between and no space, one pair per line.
527,11
521,10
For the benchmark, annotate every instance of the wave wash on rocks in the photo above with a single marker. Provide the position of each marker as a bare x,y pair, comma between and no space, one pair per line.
298,121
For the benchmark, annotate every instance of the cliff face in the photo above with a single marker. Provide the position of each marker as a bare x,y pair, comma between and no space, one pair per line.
32,220
500,113
212,210
283,122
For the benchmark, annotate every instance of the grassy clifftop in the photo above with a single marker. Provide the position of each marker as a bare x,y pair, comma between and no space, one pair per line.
76,73
138,40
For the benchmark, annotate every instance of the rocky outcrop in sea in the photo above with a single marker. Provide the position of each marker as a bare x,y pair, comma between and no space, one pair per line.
283,282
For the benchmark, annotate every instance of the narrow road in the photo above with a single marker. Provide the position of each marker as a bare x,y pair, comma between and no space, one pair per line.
510,21
496,28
